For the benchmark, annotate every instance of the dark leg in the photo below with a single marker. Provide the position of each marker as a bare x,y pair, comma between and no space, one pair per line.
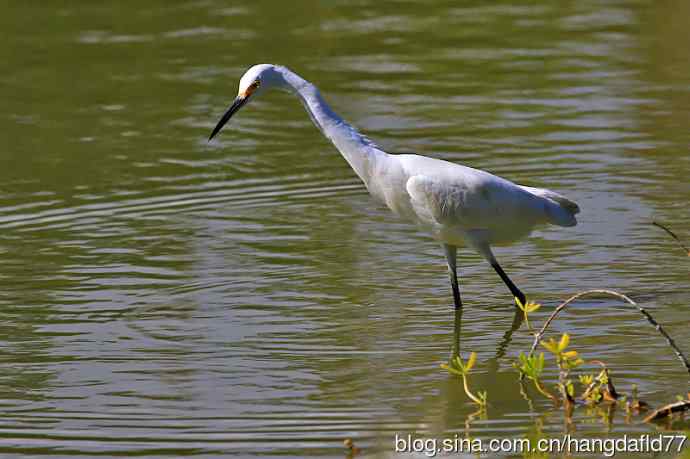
513,289
451,252
478,239
457,331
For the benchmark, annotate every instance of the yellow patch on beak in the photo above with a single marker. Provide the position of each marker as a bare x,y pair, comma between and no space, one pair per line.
248,92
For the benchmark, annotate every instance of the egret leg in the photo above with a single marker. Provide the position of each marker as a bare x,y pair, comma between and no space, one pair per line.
457,332
451,254
506,280
478,240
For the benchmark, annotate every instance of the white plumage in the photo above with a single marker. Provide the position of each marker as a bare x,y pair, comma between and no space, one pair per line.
456,204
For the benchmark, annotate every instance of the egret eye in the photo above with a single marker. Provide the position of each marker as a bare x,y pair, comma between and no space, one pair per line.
256,84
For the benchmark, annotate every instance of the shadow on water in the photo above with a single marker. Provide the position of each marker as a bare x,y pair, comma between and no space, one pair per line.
518,319
454,418
502,345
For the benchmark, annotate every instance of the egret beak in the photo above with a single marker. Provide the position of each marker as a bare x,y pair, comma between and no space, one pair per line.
236,105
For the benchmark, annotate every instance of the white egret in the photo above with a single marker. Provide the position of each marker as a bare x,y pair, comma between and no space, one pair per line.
458,205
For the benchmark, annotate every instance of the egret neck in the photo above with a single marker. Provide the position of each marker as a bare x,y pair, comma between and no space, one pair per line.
360,152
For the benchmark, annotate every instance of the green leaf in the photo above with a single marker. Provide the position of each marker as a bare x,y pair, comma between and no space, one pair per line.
531,306
550,345
541,362
569,388
569,355
519,303
471,361
563,343
450,369
586,380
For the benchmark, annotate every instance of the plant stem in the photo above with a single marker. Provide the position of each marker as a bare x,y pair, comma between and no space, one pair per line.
529,327
673,235
538,336
545,392
470,394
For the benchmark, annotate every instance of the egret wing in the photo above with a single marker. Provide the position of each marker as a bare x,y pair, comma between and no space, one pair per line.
476,201
432,202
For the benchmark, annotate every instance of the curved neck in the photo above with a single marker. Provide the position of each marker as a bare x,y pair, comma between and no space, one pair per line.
360,152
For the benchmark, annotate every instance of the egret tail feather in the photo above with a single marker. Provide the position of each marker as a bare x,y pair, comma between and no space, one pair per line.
560,210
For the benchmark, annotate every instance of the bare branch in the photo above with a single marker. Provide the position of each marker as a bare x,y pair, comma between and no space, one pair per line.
538,336
667,410
673,235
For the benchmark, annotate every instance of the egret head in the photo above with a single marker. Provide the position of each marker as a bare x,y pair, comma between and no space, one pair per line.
256,80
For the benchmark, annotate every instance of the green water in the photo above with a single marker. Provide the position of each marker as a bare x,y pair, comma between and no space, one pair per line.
167,297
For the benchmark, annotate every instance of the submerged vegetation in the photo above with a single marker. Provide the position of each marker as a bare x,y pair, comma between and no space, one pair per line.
526,309
595,388
590,391
575,387
462,369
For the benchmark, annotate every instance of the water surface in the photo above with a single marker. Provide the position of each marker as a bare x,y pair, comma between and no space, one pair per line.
167,297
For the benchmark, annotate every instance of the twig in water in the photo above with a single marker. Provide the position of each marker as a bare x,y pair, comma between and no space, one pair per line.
609,393
673,235
538,336
667,410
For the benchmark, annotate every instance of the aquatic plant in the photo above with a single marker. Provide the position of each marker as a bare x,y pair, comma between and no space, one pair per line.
566,361
540,335
532,367
598,387
526,308
458,367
